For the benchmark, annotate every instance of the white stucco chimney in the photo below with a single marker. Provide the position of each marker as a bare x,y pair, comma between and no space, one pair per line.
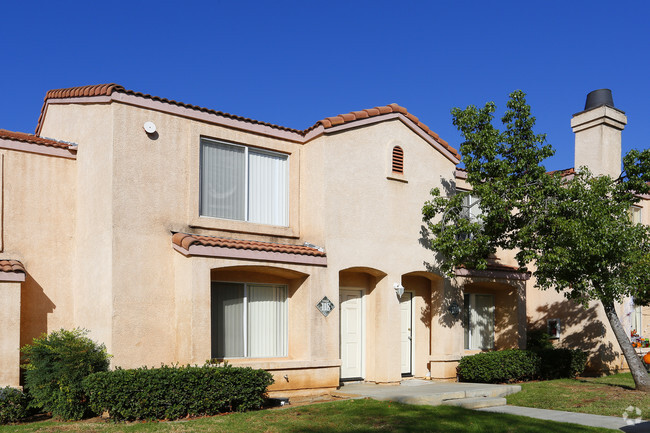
598,134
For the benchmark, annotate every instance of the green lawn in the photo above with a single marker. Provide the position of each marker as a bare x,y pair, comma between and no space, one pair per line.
343,416
609,395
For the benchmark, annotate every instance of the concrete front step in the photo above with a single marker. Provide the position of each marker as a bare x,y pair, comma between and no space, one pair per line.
431,393
475,402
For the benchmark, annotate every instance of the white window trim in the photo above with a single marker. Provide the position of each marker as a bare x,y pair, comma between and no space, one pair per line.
472,302
636,210
246,179
245,315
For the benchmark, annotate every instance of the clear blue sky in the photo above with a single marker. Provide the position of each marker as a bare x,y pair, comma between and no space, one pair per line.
294,62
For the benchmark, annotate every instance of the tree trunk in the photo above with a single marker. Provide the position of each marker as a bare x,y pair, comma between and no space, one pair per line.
639,373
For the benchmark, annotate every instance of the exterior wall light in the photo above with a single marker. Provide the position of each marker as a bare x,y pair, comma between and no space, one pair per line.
399,289
454,308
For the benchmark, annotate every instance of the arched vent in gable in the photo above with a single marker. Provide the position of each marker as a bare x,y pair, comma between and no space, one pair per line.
398,160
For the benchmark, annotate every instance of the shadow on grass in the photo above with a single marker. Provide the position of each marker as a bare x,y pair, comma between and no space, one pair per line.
370,416
613,385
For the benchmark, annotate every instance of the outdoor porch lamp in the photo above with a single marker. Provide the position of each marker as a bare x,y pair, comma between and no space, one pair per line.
399,289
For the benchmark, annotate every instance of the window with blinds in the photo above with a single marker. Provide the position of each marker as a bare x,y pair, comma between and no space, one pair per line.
479,321
635,214
249,320
242,183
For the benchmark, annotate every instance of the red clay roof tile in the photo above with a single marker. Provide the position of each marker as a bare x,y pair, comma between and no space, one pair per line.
11,266
363,114
328,122
185,240
109,89
34,139
563,173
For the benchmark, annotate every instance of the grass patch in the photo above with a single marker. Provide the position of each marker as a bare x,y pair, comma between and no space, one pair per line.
351,416
609,395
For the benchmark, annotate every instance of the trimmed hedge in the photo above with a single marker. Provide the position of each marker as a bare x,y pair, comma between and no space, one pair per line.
172,392
13,405
516,365
561,363
498,367
56,365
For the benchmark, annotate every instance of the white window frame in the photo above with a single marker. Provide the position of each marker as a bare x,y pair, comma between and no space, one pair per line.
247,150
245,317
469,342
636,215
636,320
472,207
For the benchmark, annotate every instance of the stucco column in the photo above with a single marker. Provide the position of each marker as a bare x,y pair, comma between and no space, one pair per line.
446,329
521,315
387,332
10,333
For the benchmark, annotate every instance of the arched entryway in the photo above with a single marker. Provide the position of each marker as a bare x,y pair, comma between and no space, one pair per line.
355,286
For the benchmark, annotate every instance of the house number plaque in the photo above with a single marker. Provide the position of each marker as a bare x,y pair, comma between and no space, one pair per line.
325,306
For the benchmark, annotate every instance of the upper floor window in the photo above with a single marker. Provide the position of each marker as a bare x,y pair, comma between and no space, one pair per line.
398,160
472,208
242,183
635,214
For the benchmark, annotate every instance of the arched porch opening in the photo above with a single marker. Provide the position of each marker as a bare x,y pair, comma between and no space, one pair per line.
359,312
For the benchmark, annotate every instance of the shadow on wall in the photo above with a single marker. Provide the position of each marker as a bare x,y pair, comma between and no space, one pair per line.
442,300
34,308
506,319
581,329
508,322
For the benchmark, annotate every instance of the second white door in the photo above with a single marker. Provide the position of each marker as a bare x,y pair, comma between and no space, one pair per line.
406,307
351,334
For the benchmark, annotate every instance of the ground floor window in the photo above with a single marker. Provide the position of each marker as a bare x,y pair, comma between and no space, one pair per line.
479,321
635,320
249,320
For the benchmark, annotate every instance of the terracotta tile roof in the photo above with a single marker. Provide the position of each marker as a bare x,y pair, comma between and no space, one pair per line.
11,266
330,122
34,139
109,89
501,267
185,240
566,172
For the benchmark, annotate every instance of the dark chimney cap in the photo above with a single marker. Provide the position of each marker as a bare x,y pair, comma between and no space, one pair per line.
598,98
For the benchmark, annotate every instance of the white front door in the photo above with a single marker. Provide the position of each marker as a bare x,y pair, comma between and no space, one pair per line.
351,334
406,307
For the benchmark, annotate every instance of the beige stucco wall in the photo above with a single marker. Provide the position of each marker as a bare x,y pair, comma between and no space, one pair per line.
10,336
38,222
150,304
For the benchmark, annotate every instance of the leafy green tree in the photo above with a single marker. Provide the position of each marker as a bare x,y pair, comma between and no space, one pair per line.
56,365
572,229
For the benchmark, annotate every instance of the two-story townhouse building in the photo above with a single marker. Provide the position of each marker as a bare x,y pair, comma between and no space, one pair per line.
175,233
180,234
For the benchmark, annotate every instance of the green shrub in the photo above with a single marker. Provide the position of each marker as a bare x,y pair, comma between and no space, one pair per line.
499,366
176,392
538,339
561,363
13,405
56,365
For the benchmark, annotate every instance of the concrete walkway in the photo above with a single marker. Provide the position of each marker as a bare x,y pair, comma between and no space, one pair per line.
613,422
478,396
426,392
